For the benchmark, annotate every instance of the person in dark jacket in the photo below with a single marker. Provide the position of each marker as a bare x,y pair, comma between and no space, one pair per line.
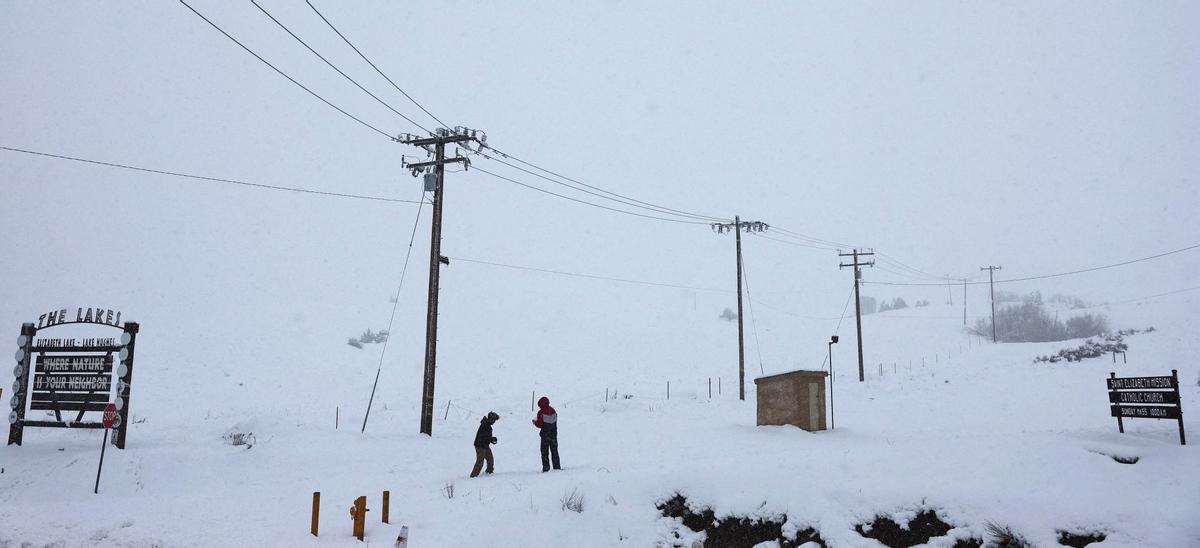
547,421
483,441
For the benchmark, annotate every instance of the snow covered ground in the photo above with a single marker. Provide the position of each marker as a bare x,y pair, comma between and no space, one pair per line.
1044,137
982,435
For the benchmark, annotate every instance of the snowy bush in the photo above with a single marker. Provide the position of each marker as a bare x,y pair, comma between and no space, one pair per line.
1086,325
1029,322
728,315
1112,342
368,337
572,501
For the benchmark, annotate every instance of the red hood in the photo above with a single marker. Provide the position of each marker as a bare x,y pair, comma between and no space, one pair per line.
544,402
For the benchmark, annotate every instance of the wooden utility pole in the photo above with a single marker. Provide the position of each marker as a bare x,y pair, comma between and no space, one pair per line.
992,283
857,303
738,225
436,260
964,281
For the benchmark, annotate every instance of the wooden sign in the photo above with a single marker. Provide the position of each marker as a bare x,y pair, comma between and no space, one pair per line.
74,364
1146,398
1141,383
72,383
1145,412
73,376
1160,397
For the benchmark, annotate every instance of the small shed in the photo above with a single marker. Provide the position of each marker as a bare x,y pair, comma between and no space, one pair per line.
796,398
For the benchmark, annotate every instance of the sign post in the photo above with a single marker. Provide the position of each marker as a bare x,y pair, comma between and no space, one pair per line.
111,418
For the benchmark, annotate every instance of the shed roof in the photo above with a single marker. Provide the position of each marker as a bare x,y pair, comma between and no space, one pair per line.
796,373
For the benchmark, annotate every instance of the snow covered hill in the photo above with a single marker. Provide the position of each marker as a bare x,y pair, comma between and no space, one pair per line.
978,435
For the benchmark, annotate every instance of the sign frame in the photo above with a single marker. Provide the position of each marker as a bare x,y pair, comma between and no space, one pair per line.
93,377
1146,398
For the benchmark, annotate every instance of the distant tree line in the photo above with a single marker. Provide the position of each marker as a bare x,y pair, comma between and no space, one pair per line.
1030,322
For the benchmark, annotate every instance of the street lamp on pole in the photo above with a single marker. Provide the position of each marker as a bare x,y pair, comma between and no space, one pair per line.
832,341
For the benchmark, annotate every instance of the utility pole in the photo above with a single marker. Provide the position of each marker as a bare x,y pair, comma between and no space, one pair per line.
438,141
964,281
858,303
738,225
992,282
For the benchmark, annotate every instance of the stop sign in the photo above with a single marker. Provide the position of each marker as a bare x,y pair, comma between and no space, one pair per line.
111,418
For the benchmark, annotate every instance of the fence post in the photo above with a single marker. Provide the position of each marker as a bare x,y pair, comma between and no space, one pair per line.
710,388
337,412
316,511
358,513
387,496
668,390
447,415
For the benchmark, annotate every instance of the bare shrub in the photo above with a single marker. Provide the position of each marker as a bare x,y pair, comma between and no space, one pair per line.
240,438
572,501
1003,537
448,490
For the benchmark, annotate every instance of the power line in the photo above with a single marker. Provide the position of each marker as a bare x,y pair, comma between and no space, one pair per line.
591,276
544,191
1056,275
661,209
1127,301
334,67
753,321
395,304
797,244
364,58
624,201
920,273
795,315
614,196
812,239
904,274
281,73
845,307
642,282
210,179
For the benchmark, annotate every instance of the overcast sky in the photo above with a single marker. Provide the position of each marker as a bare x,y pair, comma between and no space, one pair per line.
1041,136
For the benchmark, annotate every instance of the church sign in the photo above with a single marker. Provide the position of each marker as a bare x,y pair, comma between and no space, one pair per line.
73,376
1146,398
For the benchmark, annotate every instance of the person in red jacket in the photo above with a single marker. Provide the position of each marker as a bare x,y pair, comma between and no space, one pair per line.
547,421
